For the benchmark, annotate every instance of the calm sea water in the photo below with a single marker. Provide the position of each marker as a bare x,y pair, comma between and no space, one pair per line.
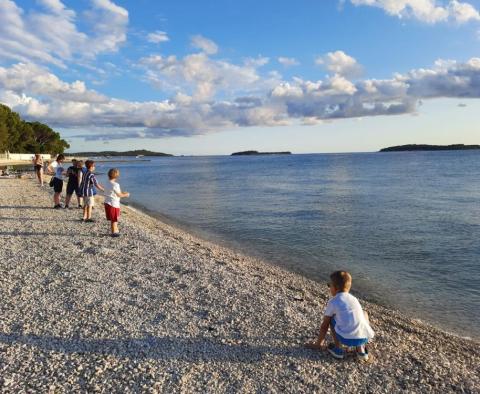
406,225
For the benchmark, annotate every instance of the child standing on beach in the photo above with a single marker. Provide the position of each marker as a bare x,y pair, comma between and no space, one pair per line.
38,167
86,190
113,193
56,168
73,184
80,174
348,323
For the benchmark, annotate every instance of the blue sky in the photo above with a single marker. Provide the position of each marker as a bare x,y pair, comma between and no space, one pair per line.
212,77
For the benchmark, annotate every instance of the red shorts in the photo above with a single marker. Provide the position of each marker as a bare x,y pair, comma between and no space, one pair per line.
112,213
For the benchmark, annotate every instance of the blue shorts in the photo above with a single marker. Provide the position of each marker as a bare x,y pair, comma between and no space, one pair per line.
347,341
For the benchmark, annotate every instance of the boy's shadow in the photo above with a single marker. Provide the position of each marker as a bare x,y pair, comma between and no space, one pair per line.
165,348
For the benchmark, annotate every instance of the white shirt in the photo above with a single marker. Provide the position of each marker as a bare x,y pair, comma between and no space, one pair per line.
58,170
110,193
350,321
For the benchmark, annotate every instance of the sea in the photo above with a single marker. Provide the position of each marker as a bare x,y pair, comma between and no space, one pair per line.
406,225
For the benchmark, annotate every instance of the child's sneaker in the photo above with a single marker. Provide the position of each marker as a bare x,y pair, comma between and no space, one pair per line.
336,352
362,356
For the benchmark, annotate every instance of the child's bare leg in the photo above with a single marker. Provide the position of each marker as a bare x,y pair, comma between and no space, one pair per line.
360,349
85,212
114,227
68,197
89,212
56,198
334,335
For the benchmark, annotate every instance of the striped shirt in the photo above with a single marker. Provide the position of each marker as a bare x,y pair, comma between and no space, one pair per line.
88,183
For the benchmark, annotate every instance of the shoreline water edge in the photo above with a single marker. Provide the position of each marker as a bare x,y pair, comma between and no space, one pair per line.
216,240
162,310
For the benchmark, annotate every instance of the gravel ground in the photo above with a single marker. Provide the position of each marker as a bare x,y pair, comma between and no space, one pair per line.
159,310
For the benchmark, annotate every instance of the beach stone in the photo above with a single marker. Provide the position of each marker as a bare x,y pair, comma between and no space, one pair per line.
160,310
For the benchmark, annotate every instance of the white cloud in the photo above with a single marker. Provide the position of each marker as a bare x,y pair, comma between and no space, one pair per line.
51,35
204,44
202,77
288,61
26,105
340,63
35,80
158,37
256,61
38,94
429,11
55,6
109,23
463,12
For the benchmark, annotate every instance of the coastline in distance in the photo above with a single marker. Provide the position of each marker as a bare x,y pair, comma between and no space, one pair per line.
254,153
134,153
414,147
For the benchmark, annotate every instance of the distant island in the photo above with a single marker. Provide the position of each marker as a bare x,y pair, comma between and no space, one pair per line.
134,153
255,153
413,147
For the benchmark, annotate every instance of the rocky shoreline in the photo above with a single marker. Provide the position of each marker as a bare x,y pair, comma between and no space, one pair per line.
160,310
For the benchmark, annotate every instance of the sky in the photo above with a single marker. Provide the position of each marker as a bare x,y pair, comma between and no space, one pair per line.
214,77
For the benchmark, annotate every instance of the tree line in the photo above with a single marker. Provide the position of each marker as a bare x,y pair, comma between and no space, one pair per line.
19,136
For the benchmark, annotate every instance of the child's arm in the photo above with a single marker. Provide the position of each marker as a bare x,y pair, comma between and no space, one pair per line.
122,194
98,185
320,342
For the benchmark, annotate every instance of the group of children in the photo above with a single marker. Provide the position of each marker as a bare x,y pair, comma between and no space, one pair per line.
349,325
83,183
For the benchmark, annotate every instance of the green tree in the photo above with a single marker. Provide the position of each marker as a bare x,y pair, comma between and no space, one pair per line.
3,137
47,140
19,136
4,131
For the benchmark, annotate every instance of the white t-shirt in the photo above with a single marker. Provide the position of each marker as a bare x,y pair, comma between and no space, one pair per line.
111,190
350,321
58,169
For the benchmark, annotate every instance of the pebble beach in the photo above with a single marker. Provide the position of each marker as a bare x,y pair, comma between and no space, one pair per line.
161,310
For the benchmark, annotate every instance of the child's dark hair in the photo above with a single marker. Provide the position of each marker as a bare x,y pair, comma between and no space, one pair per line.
60,157
89,164
341,280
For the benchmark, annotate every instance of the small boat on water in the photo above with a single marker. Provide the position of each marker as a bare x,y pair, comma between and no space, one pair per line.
140,156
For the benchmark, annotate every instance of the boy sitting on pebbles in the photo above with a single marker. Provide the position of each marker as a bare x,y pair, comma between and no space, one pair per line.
348,323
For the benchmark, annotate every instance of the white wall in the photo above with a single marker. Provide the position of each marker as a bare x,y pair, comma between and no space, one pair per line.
22,156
